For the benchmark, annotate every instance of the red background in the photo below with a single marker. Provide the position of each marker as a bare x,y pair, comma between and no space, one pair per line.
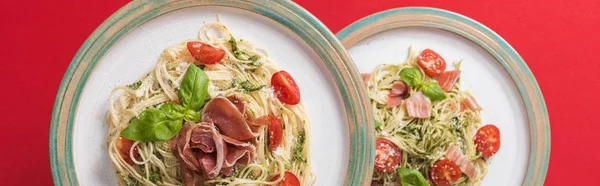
558,40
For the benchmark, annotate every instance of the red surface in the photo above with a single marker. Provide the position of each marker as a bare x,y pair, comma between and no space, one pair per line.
557,39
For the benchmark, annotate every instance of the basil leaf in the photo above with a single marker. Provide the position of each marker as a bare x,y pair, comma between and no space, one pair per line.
433,91
378,124
191,115
194,88
173,111
412,76
409,177
152,125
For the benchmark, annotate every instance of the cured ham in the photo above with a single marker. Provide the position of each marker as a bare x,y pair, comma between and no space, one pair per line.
454,154
418,106
202,149
470,103
398,93
226,116
447,79
393,101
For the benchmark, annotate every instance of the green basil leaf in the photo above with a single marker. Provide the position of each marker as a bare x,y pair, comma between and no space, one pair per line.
412,76
191,115
378,124
152,125
433,91
173,111
194,88
409,177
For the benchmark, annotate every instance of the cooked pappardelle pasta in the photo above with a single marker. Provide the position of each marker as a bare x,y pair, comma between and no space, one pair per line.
215,111
428,129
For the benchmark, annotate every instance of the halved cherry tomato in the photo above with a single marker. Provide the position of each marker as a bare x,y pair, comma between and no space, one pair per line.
444,172
289,179
388,155
275,133
487,140
205,53
431,62
285,88
124,146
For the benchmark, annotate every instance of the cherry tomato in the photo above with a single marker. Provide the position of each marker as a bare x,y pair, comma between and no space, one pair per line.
285,88
487,140
432,63
445,172
124,146
289,179
205,53
275,133
388,155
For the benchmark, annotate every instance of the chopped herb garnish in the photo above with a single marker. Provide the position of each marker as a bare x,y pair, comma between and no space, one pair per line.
249,87
254,58
240,54
135,85
378,124
154,177
235,50
132,181
299,147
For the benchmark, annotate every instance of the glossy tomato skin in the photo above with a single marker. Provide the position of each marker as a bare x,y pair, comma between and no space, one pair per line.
124,145
388,155
487,140
431,62
205,53
275,133
289,179
444,172
285,88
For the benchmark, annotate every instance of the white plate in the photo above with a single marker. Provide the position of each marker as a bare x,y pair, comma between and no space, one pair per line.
318,64
385,38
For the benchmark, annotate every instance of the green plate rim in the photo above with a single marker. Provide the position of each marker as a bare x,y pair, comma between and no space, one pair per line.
539,123
287,13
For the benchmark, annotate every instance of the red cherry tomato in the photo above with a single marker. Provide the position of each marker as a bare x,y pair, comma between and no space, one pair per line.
289,179
205,53
124,146
445,172
275,133
487,140
285,88
388,155
432,63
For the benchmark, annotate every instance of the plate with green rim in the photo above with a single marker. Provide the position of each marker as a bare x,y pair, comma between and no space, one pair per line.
491,70
126,46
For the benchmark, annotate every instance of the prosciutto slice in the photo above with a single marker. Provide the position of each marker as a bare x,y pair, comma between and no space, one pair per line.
399,92
470,103
202,150
454,154
418,106
447,79
227,117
